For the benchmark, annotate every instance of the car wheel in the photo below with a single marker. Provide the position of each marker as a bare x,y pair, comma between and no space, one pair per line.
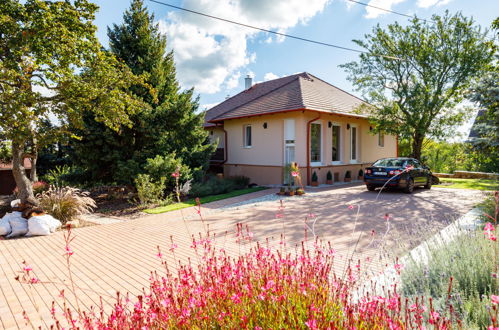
410,186
370,188
428,183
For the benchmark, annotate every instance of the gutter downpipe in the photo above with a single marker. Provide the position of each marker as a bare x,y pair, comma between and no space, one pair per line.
308,147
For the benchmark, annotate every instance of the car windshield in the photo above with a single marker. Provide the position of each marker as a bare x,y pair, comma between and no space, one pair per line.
390,162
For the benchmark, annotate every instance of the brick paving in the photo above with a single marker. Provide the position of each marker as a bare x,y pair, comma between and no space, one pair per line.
120,256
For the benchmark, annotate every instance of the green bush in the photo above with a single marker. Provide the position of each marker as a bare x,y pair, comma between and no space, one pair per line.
149,191
163,166
470,260
58,176
216,186
314,177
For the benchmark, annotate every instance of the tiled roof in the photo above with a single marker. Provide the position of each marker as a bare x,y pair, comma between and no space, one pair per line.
8,166
298,91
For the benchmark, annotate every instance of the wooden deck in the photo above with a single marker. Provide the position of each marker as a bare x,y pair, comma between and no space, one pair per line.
120,257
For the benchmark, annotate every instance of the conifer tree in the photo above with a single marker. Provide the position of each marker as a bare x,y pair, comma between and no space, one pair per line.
170,127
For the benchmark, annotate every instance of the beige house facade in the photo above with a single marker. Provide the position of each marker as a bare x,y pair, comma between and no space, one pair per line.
258,136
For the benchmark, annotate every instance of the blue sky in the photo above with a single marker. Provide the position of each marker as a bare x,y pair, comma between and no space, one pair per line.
214,57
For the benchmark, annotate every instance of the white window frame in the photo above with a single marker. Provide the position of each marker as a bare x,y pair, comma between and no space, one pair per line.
245,137
340,145
321,144
291,141
381,140
356,160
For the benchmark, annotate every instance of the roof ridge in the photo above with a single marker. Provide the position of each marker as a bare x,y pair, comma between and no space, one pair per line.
296,76
344,91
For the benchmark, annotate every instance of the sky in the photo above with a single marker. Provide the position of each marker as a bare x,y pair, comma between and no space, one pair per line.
214,56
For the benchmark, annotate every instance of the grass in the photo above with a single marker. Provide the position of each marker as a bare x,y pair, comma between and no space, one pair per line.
477,184
203,200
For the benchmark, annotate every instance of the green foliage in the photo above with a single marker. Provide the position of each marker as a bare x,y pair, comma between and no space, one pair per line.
148,190
5,152
329,175
415,95
348,175
314,177
470,260
168,127
57,176
66,204
216,186
445,157
164,166
52,45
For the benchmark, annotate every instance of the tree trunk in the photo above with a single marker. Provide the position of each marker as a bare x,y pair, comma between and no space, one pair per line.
22,181
417,145
34,157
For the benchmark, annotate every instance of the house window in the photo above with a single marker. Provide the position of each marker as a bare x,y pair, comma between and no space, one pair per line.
289,141
381,140
247,136
336,151
315,143
353,143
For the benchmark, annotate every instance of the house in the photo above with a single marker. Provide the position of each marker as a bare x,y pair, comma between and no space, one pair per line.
298,118
7,182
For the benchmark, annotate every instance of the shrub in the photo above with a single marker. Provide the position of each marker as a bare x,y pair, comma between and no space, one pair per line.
58,176
348,175
39,187
163,166
216,186
470,261
148,190
66,203
329,176
314,177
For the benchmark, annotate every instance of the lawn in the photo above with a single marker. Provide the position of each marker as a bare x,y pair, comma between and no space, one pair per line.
477,184
203,200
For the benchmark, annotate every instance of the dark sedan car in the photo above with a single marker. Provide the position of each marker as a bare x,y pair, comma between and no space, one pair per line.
400,172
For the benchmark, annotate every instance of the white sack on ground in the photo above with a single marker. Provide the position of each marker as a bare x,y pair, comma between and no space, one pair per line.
18,224
5,228
42,225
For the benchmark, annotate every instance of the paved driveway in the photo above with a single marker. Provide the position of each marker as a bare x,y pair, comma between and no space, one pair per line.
119,257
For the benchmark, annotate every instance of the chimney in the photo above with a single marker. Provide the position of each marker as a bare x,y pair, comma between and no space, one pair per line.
248,82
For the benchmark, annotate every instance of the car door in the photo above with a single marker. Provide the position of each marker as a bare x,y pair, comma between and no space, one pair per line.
420,177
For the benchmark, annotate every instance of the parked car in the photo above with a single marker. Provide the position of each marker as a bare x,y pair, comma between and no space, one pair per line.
400,172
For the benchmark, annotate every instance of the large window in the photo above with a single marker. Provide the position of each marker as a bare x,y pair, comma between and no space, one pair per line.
247,136
353,143
315,143
336,154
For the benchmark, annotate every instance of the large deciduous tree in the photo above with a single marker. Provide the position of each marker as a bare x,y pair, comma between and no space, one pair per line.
415,94
52,68
485,145
170,127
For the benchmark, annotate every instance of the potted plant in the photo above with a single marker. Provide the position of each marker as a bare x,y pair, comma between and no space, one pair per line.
348,176
329,177
360,175
290,192
315,180
300,191
282,191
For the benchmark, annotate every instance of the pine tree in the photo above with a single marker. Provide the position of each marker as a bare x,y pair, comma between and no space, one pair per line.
169,127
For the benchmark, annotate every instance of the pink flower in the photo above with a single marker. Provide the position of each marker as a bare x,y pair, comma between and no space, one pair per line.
34,280
350,207
409,167
295,173
434,316
488,227
173,247
69,251
176,174
495,299
398,267
27,268
159,255
312,324
279,215
387,216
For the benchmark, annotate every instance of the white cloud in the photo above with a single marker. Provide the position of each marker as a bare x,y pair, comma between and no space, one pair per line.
385,4
270,76
209,53
430,3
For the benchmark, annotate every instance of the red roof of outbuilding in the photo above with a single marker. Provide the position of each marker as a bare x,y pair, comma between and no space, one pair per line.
8,166
301,91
